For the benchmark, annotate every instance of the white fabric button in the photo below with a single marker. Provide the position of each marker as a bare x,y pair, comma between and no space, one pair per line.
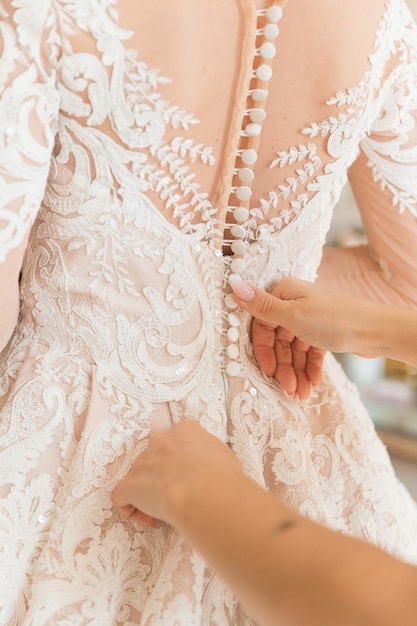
234,320
244,193
232,351
258,95
267,50
257,115
271,31
241,214
230,302
237,266
233,368
233,277
246,175
274,14
249,157
253,130
239,247
264,72
238,231
233,334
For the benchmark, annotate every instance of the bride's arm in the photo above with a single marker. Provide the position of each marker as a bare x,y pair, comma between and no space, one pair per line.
28,111
9,288
384,181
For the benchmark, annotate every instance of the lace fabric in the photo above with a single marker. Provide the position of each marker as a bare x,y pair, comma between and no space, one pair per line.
107,173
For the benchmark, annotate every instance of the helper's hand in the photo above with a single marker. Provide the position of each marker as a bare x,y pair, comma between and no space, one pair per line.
296,323
280,354
163,478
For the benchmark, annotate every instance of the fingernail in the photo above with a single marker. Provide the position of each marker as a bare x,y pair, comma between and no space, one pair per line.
244,291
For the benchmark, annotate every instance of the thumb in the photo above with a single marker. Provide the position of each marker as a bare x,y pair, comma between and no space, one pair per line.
260,304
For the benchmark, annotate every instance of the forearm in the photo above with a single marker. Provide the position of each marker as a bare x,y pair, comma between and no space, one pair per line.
9,311
229,521
353,269
372,329
284,567
399,336
379,330
9,292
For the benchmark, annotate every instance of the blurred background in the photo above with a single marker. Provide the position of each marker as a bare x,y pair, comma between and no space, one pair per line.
388,388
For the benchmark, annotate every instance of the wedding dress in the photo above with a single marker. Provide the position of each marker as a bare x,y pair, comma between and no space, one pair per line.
147,150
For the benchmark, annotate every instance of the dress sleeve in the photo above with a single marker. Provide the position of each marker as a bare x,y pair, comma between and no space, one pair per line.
384,181
29,105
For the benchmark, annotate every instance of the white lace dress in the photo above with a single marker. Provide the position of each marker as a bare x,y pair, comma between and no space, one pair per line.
126,216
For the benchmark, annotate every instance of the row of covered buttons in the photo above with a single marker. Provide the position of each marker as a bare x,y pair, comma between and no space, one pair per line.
247,154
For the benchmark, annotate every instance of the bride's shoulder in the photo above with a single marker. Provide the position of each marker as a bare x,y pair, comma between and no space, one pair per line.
334,38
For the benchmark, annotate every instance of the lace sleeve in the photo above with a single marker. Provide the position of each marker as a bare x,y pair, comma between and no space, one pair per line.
28,113
384,181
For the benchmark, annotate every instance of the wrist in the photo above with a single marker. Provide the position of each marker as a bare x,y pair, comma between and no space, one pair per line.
204,492
400,335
